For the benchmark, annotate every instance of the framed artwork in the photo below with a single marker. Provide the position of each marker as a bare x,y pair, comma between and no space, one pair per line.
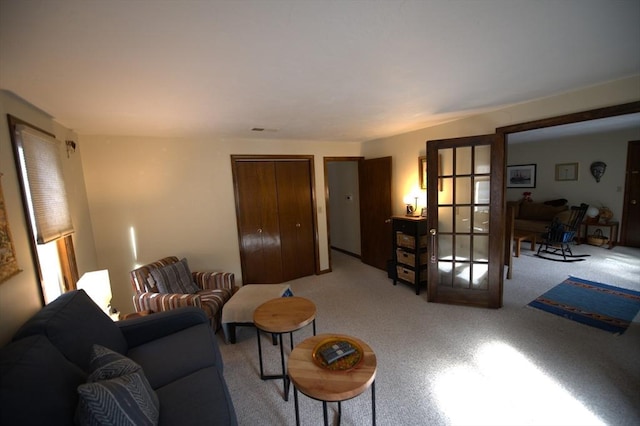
422,169
567,171
8,261
521,176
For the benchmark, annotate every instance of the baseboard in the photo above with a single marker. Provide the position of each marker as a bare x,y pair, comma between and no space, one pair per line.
348,253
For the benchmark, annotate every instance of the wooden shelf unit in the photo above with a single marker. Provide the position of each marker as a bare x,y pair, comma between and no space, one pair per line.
410,250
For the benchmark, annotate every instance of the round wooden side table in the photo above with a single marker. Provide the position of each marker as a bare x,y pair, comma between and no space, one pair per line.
279,316
327,385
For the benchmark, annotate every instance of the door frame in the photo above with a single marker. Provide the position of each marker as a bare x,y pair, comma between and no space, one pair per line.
326,161
577,117
360,161
311,159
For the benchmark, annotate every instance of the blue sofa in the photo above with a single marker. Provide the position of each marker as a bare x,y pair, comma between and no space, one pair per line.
49,357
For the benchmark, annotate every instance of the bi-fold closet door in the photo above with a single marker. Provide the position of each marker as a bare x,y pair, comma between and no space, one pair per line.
274,207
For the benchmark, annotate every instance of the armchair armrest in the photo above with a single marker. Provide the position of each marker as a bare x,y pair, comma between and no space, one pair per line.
215,280
160,302
140,330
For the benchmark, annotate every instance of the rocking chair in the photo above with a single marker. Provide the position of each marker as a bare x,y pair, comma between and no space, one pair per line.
556,241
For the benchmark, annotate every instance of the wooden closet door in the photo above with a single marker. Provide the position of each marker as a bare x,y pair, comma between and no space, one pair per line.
258,224
296,218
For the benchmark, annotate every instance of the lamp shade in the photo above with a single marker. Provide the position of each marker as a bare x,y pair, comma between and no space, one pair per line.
98,287
592,211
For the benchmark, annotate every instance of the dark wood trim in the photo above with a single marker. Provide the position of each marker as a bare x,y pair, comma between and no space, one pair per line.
66,251
68,265
347,252
314,206
245,157
236,158
493,297
576,117
13,122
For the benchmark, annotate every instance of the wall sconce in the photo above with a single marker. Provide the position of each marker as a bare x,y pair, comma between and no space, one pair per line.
71,147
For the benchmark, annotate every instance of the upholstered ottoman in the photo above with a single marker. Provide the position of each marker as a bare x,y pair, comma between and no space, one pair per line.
239,309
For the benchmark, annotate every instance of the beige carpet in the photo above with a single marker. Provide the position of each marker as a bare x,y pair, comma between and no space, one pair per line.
442,364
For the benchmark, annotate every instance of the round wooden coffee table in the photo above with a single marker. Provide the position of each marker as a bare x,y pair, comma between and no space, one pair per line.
325,384
279,316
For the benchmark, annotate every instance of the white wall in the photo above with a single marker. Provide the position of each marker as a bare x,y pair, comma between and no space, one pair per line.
608,147
344,206
177,194
19,295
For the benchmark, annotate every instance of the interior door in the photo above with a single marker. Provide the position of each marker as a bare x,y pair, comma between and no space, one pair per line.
630,230
374,178
465,199
295,212
258,225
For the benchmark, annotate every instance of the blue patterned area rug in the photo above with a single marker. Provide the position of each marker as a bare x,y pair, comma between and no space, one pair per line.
598,305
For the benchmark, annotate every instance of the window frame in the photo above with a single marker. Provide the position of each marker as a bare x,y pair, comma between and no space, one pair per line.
68,270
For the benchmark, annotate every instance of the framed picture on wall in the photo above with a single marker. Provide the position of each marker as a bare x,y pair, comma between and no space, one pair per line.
567,171
8,260
422,169
521,176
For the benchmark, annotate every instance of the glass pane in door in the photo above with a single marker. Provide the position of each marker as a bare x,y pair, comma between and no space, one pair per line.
445,219
463,216
482,161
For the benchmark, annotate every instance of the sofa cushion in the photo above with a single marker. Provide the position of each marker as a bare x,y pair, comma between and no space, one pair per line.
556,203
73,323
536,227
539,211
144,329
201,398
168,358
174,278
107,364
125,400
37,384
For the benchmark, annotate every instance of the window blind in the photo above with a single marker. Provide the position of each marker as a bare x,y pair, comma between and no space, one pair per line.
40,160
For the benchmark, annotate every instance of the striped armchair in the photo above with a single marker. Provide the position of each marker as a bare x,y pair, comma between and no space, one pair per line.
216,288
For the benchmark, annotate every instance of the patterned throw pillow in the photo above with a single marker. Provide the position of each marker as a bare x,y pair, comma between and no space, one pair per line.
124,400
174,278
117,392
107,364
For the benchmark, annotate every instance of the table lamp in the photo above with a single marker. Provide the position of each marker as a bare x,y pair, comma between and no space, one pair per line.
98,287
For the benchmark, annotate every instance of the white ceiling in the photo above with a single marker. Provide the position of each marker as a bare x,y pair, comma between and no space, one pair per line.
317,70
